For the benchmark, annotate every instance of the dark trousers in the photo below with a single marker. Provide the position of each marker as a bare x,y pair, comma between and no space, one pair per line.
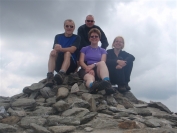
59,62
120,76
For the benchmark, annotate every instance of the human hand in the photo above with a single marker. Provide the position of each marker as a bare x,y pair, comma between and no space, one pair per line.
92,72
121,63
58,47
118,67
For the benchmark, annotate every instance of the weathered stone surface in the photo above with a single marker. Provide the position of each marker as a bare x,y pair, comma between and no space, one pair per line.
10,120
143,112
62,129
75,88
61,106
62,93
43,111
4,128
47,92
26,121
55,120
160,106
80,104
129,95
127,125
33,87
18,112
87,117
77,112
24,103
82,112
39,129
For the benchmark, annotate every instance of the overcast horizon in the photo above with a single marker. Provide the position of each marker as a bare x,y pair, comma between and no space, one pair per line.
28,28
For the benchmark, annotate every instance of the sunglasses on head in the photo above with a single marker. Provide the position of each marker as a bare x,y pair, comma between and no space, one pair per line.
94,36
67,26
90,21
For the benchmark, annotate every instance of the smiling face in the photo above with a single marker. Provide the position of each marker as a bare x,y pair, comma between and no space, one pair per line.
69,27
118,43
89,21
94,38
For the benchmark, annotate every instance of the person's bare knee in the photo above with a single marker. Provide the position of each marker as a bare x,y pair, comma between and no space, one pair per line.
101,63
67,55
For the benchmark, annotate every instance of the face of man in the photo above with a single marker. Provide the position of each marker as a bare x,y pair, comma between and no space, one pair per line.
89,21
69,28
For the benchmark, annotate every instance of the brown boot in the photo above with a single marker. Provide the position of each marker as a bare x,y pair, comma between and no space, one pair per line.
50,79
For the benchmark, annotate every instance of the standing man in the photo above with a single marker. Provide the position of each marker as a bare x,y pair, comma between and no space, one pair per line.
83,33
63,57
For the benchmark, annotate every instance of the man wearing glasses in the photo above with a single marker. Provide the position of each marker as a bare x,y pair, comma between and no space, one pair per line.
83,33
63,58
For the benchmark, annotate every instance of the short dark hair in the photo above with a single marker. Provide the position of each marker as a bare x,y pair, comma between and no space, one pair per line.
94,30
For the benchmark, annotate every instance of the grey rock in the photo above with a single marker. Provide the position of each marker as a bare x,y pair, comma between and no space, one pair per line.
4,128
62,129
61,106
26,121
33,87
43,111
3,112
47,92
152,123
75,88
39,129
88,117
88,129
50,101
77,112
160,106
18,112
34,94
111,100
129,95
62,93
81,104
143,112
24,103
55,120
121,114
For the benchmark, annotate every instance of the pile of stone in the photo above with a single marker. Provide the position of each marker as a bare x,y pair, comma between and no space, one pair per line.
71,108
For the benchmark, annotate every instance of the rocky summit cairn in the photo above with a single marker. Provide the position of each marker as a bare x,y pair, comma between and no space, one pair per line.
70,108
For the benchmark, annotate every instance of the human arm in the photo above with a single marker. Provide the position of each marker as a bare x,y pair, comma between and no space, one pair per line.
103,40
59,48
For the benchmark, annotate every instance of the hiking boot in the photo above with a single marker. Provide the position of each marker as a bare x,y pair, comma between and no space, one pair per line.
108,88
122,88
50,80
97,86
59,77
127,87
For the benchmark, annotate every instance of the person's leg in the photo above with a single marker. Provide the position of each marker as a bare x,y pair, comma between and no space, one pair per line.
102,70
89,79
66,62
51,67
128,70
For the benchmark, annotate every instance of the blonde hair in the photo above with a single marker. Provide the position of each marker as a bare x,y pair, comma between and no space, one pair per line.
115,40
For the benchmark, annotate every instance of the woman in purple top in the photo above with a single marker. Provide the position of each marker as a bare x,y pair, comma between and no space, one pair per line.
93,66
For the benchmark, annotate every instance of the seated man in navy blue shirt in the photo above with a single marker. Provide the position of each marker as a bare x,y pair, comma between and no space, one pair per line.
63,58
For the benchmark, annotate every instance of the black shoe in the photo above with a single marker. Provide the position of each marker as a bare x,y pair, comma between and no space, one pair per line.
127,87
59,78
50,79
97,86
122,88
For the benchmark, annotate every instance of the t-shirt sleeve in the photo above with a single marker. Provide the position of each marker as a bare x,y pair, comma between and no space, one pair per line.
83,50
103,51
76,43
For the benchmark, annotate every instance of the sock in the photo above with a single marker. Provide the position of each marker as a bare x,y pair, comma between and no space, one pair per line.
106,78
91,84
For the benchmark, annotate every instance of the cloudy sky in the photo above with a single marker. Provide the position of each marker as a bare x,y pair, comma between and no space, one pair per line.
28,27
